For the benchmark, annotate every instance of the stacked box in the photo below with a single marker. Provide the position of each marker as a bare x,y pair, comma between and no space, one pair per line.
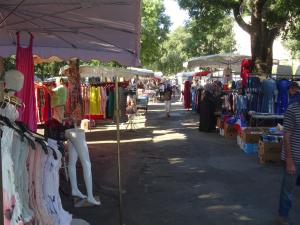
251,135
247,147
269,152
230,131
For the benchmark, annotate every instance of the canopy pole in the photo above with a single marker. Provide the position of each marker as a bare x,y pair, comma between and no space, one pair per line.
1,183
117,116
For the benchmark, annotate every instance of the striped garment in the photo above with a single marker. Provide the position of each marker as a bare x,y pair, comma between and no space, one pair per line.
292,125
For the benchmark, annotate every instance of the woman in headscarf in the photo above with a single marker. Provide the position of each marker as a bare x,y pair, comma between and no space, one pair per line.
207,109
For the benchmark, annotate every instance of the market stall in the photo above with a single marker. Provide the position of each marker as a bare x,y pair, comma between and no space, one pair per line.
66,29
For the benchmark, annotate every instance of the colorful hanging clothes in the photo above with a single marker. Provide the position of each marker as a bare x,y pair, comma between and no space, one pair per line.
187,95
283,97
94,101
246,69
269,91
111,102
24,63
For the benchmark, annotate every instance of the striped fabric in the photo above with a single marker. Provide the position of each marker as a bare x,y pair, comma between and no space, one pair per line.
292,125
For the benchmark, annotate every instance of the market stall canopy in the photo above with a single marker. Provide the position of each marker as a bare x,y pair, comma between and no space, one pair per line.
215,61
141,72
105,72
185,74
157,76
85,29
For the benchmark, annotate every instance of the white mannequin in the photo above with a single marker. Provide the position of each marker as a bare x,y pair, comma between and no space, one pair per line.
78,147
14,81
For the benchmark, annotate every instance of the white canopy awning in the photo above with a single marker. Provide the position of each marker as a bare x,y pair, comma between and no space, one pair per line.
216,61
108,72
141,72
85,29
185,74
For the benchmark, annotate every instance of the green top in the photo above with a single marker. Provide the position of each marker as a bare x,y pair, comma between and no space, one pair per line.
59,96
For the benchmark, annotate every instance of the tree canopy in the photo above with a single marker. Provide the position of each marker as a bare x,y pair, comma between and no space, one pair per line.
175,51
268,19
154,30
211,37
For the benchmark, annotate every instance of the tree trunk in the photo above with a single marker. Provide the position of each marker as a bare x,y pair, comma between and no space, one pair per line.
262,40
262,50
74,88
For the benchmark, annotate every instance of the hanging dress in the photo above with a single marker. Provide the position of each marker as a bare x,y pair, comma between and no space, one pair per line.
269,90
24,63
187,95
283,95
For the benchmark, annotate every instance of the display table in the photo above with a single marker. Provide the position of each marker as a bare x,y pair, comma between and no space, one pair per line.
142,102
258,118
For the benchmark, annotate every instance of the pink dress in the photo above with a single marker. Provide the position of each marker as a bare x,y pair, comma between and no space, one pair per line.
24,63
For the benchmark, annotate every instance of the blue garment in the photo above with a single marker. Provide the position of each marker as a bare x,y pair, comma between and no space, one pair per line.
295,98
241,104
194,98
268,91
287,188
283,97
253,89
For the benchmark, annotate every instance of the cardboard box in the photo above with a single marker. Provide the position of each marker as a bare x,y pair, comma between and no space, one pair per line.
269,152
230,131
270,157
248,148
251,135
269,147
220,123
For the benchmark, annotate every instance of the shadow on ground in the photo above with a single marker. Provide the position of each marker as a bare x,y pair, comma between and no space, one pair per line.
175,175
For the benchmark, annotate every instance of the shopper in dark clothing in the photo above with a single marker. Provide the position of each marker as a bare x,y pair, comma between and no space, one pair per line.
291,156
207,110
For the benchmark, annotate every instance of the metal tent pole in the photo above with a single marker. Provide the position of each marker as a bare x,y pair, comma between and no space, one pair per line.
117,116
1,183
1,187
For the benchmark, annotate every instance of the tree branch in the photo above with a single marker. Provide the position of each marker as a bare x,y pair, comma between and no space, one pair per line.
239,19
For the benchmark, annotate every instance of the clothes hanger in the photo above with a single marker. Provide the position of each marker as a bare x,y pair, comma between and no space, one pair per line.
12,125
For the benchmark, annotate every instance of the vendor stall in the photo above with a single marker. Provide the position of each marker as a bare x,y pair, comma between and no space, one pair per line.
65,28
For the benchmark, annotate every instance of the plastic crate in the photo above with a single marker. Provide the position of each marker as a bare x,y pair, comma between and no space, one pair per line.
250,148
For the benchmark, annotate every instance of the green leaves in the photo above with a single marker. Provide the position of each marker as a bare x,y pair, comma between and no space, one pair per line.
155,28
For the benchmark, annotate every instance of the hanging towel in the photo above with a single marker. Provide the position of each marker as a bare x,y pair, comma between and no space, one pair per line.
24,63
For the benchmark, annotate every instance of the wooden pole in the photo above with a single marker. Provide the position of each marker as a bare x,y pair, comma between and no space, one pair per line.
117,116
1,97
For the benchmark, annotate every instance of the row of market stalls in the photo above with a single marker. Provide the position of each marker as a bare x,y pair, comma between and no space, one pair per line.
97,85
244,105
68,30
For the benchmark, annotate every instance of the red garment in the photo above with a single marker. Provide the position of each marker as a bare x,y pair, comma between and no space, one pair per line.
24,63
42,103
246,69
187,94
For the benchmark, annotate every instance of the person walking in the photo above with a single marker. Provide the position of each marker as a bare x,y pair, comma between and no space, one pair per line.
294,94
291,156
167,98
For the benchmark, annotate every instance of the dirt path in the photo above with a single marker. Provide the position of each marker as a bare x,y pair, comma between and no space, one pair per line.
175,175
